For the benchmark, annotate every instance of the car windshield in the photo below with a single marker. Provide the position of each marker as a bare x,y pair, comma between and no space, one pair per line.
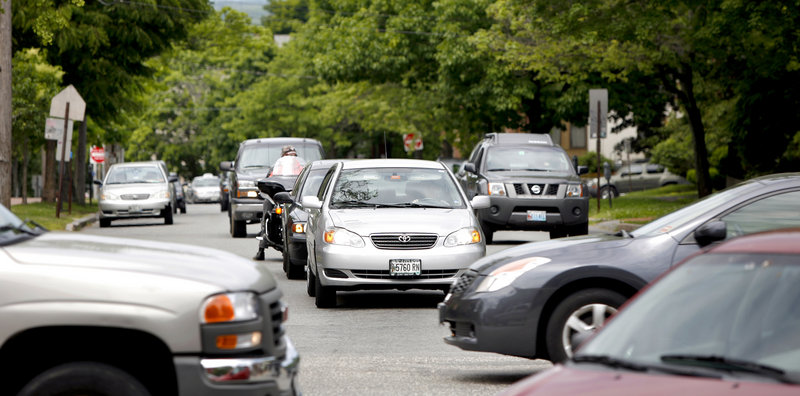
502,159
265,155
735,312
134,174
12,229
395,187
686,214
206,182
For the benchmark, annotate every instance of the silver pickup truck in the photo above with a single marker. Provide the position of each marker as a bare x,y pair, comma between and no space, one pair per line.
84,314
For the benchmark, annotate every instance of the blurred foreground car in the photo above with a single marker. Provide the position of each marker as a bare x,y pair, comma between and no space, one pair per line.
134,190
634,177
531,300
389,224
89,315
724,322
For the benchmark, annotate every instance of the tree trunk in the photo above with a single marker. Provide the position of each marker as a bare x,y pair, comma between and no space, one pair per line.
49,170
26,159
5,103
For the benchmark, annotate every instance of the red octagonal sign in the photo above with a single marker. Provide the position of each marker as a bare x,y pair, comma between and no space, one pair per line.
97,154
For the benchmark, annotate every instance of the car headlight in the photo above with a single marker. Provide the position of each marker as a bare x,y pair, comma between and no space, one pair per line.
574,190
464,236
497,189
247,189
229,307
507,273
108,196
162,194
340,236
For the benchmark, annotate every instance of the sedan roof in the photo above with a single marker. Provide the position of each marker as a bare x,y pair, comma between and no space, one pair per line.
392,163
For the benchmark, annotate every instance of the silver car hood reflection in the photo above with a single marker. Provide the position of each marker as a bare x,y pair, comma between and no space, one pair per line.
370,221
136,188
209,266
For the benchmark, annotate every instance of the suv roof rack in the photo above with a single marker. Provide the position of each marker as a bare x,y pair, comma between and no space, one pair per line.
523,138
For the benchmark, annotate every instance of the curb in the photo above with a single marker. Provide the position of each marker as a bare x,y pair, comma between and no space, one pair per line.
82,222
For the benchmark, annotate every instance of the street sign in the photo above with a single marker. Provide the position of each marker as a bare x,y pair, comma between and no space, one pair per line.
412,141
77,107
598,112
97,155
54,128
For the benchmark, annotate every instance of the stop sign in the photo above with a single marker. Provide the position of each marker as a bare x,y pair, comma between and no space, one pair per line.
97,154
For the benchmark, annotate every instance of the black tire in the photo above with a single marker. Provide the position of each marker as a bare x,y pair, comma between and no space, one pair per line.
84,378
605,190
311,286
559,336
238,228
558,233
183,208
174,208
324,296
488,233
105,223
295,271
578,229
167,213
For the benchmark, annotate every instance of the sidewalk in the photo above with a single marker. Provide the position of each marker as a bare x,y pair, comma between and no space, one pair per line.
18,200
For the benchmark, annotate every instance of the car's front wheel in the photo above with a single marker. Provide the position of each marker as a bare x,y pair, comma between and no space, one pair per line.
238,228
84,378
325,296
576,317
167,213
311,281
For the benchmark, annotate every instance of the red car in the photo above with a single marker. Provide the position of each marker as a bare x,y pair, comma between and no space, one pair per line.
724,322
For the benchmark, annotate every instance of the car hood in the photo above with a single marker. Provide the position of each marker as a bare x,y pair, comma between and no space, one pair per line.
557,250
252,173
569,380
205,265
206,189
532,177
135,188
370,221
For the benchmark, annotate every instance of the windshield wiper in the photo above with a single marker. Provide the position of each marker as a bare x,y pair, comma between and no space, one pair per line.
255,166
624,234
729,364
609,361
352,204
23,228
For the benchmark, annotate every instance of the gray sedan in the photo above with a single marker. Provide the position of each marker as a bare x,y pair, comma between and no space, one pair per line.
389,224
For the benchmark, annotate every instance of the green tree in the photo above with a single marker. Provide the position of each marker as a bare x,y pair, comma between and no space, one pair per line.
285,16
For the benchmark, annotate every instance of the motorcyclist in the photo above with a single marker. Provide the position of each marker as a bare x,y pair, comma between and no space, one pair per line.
289,164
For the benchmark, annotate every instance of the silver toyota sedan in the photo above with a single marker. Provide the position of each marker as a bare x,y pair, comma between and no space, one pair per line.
135,189
389,224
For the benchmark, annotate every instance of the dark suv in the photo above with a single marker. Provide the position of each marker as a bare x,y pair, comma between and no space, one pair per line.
532,183
253,161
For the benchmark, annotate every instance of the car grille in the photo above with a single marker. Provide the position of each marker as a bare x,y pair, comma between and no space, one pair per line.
404,241
529,188
463,282
135,197
384,274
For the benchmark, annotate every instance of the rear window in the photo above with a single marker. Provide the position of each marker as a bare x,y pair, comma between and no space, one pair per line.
265,155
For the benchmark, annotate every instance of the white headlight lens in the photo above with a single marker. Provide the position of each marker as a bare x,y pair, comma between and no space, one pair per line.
229,307
574,190
107,196
506,274
340,236
497,189
247,184
464,236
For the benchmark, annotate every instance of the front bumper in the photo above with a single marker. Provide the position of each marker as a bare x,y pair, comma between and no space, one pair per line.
512,213
119,209
247,209
264,375
368,267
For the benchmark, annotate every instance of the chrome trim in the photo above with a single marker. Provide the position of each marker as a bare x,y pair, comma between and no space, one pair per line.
254,370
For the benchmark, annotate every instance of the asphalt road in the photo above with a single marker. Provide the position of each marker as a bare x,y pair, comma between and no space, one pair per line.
373,343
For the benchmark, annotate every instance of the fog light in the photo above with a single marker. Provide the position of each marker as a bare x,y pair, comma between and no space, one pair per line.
494,209
576,211
239,341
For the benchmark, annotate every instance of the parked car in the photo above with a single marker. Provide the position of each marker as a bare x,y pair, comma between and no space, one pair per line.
532,185
135,190
253,161
723,322
83,314
180,196
389,224
529,300
204,189
294,216
634,177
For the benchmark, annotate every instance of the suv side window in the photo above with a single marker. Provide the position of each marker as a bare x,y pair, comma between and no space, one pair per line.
774,212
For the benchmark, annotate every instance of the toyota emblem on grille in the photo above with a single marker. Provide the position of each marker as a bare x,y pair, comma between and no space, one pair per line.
536,189
404,238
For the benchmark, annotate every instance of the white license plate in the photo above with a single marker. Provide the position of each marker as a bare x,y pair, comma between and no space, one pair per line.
135,208
405,267
537,215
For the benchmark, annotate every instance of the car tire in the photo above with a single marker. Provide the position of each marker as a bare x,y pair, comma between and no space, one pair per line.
605,190
183,208
324,296
105,223
83,378
167,212
580,306
238,228
558,233
578,229
488,233
311,286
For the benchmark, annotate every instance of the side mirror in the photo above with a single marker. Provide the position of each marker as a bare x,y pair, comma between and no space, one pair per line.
311,202
480,202
583,169
469,167
173,179
709,233
270,187
282,197
98,182
226,165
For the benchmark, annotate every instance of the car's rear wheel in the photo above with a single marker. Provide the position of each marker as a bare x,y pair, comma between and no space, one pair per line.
311,281
604,191
167,213
84,378
238,228
325,296
577,316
